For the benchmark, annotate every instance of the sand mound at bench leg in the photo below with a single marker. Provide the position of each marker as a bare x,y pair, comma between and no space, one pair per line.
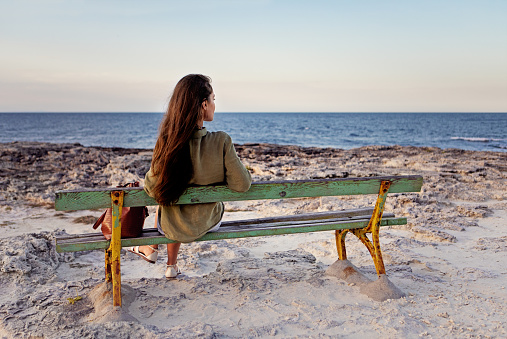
382,289
345,270
379,290
102,300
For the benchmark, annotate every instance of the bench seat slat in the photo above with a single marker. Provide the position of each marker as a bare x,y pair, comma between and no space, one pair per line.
266,222
308,216
153,237
227,226
297,217
261,225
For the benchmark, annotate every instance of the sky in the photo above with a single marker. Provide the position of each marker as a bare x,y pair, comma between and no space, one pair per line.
263,56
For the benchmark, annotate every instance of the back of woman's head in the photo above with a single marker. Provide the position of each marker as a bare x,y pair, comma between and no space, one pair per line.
171,161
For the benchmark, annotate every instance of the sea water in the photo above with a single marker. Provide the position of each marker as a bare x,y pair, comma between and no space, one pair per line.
469,131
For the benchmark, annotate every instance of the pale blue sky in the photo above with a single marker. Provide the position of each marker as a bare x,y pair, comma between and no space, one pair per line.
263,56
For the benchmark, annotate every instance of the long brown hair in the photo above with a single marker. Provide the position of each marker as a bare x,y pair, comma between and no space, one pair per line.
171,161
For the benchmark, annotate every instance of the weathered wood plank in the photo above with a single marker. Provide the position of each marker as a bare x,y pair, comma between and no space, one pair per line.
299,217
366,212
89,244
287,223
100,198
227,226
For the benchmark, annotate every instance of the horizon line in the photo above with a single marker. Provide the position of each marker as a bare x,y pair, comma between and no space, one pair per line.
251,112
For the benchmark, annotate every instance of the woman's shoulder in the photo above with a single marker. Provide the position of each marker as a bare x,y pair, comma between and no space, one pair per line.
218,136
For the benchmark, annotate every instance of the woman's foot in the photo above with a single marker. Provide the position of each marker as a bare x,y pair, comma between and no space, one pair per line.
148,253
172,271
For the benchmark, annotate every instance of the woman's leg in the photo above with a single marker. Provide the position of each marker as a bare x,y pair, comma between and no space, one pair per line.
172,248
147,250
172,255
172,252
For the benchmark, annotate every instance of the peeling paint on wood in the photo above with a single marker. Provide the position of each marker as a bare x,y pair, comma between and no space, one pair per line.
136,196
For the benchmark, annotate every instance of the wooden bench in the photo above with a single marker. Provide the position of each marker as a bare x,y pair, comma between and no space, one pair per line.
360,222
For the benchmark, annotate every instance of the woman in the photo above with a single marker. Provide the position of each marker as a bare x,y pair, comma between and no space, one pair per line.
186,154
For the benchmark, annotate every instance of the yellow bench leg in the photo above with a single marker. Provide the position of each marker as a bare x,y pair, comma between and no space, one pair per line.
340,243
373,227
115,246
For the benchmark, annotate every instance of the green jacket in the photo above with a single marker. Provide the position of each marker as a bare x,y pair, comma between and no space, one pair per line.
214,160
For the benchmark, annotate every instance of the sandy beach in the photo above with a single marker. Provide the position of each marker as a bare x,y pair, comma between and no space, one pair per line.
449,259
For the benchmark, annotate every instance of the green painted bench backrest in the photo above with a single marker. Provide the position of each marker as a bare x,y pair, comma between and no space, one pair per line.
101,198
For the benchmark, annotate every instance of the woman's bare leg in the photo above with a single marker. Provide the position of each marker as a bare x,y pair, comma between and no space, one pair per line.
147,250
172,248
172,252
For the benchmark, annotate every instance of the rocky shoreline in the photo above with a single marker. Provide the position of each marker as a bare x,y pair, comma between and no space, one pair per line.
33,170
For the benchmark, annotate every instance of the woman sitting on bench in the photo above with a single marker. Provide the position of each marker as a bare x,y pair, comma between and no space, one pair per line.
186,154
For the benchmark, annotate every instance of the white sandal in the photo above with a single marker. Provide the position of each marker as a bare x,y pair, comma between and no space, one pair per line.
172,271
152,258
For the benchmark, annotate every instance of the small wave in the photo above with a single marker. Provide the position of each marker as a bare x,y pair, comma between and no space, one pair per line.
477,139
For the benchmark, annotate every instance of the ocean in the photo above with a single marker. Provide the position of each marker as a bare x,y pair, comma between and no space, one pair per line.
468,131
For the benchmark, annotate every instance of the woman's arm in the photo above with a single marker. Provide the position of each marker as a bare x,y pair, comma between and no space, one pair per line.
237,176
